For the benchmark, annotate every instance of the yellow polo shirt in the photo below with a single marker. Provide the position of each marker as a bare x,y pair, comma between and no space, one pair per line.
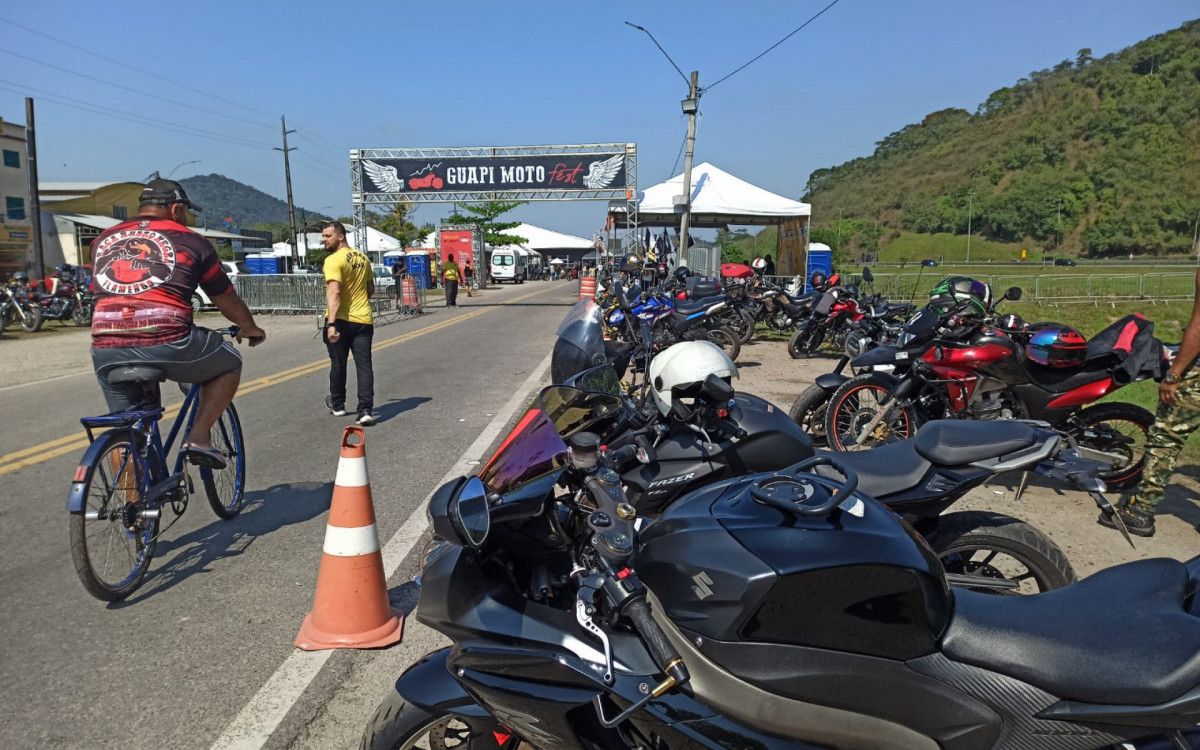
353,270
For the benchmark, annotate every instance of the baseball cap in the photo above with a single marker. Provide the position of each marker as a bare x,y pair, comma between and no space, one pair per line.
165,192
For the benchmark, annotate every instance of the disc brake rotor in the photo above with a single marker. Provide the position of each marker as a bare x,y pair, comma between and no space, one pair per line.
450,734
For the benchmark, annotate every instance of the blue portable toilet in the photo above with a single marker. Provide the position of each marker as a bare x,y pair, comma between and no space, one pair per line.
820,258
417,263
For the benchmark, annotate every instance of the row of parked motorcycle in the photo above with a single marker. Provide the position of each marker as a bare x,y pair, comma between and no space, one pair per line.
27,303
653,559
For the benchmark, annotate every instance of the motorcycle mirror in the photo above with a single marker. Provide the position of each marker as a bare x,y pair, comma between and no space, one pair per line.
1013,293
470,515
867,275
716,390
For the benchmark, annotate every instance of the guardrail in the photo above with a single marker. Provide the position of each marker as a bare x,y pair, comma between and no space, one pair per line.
300,293
1044,289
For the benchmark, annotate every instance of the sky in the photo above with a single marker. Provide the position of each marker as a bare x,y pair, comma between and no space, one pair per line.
124,89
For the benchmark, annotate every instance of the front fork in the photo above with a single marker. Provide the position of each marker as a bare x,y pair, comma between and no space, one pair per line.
890,400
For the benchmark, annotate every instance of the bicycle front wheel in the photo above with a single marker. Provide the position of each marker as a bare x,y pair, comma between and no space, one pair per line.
111,544
226,488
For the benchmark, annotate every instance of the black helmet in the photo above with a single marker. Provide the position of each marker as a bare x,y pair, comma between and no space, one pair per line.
682,273
21,277
631,263
819,280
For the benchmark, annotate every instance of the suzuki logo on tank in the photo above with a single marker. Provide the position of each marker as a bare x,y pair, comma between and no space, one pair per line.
456,174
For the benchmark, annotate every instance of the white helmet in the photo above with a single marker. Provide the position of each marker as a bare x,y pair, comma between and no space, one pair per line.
686,364
759,264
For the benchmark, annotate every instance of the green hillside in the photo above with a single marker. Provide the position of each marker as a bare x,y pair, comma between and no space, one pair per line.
1095,157
247,206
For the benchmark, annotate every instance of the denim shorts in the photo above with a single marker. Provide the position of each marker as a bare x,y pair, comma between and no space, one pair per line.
196,358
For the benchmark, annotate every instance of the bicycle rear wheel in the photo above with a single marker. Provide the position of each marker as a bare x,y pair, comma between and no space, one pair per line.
226,488
110,545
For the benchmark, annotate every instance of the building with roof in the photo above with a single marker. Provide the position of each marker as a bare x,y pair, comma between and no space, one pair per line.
14,174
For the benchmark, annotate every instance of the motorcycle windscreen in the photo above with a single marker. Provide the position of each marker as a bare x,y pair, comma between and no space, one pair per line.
533,449
920,328
538,444
580,342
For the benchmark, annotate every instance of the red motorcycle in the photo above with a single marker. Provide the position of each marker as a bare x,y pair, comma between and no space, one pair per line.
831,320
954,368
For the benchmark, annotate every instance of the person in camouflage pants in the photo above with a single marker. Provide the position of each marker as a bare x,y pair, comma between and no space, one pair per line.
1177,417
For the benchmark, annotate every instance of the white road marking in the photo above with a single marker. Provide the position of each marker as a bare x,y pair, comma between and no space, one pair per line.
255,723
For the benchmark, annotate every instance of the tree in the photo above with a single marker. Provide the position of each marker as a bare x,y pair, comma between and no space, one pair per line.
484,216
1083,58
398,223
280,231
731,249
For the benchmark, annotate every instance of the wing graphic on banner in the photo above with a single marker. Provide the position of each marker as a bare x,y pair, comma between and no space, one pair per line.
601,173
385,178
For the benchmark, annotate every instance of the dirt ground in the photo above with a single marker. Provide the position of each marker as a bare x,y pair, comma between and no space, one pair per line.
1066,515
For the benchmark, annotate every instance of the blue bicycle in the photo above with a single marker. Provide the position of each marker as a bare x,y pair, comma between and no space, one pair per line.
122,484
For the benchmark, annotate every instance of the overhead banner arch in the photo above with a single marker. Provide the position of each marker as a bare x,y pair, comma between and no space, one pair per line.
590,171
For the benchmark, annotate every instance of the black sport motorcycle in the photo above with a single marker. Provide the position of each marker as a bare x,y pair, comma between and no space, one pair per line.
728,434
781,610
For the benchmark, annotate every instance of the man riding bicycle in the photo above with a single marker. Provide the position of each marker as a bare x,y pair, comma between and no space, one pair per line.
145,273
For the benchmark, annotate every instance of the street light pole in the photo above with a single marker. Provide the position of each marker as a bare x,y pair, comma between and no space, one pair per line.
970,215
184,164
690,106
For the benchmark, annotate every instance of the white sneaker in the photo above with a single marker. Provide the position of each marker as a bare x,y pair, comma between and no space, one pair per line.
365,419
335,412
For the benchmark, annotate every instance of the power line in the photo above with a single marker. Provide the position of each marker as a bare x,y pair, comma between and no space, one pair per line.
676,166
307,162
322,146
317,140
131,90
160,124
75,46
776,44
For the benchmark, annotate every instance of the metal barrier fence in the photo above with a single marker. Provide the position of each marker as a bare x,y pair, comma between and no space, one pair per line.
1044,289
303,293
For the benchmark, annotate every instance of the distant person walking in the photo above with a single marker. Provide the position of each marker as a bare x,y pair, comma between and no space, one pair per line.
769,269
450,278
398,273
469,277
349,328
1177,417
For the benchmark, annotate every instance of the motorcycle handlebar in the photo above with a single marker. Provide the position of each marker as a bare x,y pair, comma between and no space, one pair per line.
664,654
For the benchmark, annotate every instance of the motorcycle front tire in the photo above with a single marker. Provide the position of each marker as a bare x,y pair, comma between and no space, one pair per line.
962,537
32,320
398,724
838,418
82,315
725,338
808,411
805,342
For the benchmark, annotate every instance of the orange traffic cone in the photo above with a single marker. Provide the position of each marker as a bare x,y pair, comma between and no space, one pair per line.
351,608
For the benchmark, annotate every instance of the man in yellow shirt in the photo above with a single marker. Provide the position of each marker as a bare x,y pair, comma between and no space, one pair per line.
349,284
450,278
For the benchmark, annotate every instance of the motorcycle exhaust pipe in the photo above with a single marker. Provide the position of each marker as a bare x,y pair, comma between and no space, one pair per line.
154,513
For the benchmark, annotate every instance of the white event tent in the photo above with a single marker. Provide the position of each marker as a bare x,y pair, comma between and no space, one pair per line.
377,244
718,200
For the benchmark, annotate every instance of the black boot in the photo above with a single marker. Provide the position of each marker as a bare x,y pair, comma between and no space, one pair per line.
1137,521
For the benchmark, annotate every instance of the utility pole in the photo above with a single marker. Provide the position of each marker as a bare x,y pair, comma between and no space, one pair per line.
970,215
690,106
287,173
35,205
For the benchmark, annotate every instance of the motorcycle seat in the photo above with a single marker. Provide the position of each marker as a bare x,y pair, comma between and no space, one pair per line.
1063,379
136,374
952,442
882,471
692,306
1121,636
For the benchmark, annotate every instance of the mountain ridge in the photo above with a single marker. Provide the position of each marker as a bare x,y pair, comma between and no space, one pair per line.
223,197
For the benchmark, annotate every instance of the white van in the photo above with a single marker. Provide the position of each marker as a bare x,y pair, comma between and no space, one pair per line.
509,264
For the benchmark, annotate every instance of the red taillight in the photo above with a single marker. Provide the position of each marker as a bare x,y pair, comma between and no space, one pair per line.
681,295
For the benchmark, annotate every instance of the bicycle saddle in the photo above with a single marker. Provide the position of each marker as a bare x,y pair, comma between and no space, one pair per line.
136,374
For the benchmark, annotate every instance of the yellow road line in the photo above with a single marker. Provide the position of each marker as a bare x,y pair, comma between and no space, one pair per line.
78,441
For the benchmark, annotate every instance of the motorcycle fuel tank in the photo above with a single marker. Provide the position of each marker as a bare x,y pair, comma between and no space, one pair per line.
684,461
727,566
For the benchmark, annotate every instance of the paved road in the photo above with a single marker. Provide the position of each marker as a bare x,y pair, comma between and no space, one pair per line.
176,663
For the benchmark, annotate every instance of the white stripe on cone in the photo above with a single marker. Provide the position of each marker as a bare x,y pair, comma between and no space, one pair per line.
352,472
344,542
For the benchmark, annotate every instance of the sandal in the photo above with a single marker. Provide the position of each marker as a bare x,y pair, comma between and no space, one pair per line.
209,458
